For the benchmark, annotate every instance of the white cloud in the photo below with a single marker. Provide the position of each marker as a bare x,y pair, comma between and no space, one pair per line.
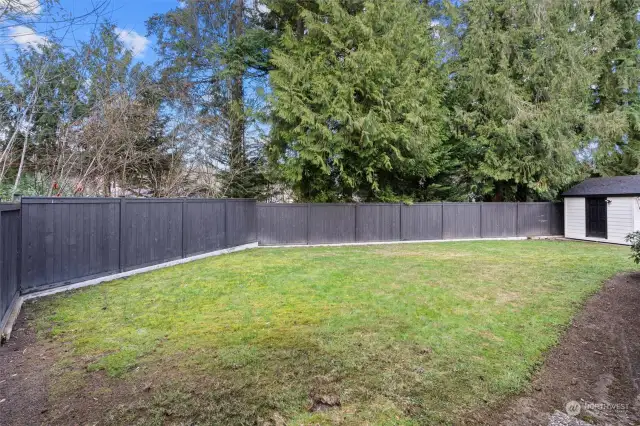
133,41
21,7
25,37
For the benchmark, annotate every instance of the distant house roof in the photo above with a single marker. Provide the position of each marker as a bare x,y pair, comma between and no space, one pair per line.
609,186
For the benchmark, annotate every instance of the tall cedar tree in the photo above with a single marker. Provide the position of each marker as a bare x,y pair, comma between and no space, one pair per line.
616,97
523,72
357,102
209,50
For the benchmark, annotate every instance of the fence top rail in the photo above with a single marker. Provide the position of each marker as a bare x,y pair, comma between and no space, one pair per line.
425,203
68,200
283,204
8,207
334,204
89,200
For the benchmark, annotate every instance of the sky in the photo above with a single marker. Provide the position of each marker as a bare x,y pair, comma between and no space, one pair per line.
129,16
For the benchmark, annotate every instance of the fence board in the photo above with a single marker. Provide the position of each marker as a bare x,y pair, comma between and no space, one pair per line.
332,223
557,219
461,220
499,220
64,241
241,222
152,232
282,224
421,222
377,222
204,226
534,219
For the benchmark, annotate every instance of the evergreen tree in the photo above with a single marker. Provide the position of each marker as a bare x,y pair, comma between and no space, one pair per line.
211,52
522,73
357,98
616,97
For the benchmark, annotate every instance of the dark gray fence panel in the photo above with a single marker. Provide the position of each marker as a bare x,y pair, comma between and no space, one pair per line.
557,219
204,226
499,220
68,240
461,220
9,256
282,223
534,219
377,222
421,222
64,240
152,232
241,222
332,223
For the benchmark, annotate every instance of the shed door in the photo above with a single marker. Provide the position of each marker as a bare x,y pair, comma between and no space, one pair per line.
596,217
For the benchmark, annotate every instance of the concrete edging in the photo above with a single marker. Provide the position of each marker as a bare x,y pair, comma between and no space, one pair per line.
10,317
376,243
12,313
136,271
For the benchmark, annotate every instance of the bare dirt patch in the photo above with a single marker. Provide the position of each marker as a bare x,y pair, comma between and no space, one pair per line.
23,384
597,364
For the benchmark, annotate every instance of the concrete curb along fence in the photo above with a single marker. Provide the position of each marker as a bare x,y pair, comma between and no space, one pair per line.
51,245
12,314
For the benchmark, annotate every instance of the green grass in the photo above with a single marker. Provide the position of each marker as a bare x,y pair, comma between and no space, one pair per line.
400,334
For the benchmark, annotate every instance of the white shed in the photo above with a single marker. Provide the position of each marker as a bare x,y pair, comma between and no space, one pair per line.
603,209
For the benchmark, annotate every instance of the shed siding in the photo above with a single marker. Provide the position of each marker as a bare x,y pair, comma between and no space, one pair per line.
635,201
575,225
619,219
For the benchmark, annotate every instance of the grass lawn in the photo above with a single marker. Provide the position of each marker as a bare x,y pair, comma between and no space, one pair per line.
389,334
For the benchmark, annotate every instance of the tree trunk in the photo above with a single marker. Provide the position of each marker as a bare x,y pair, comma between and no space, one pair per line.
237,116
16,184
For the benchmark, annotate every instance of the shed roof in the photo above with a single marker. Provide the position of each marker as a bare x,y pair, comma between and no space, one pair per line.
608,186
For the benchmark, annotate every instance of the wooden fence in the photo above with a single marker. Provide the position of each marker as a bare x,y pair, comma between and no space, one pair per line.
66,240
285,224
49,242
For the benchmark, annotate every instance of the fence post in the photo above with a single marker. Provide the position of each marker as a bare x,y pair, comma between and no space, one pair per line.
184,234
481,213
550,209
226,228
355,223
308,223
401,237
121,235
442,220
19,265
256,222
517,219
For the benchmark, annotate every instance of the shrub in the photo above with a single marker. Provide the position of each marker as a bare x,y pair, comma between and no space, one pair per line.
634,239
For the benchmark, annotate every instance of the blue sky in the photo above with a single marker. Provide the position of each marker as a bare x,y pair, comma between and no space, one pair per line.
128,15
